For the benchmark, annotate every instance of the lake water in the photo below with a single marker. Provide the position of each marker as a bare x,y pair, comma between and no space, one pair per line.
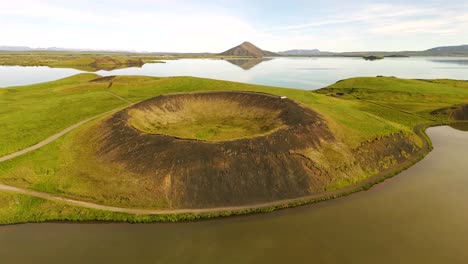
419,216
303,73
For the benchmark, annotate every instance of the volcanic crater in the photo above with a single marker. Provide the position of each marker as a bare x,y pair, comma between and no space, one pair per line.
209,117
217,149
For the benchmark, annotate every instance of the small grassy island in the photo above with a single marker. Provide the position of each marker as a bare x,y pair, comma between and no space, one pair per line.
143,149
373,57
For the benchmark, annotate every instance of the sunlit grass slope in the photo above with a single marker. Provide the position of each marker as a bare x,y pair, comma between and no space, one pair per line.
30,114
419,97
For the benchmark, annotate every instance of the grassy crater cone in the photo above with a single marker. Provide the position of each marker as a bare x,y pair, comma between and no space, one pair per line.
218,148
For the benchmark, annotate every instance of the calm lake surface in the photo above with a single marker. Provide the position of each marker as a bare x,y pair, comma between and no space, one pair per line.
419,216
303,73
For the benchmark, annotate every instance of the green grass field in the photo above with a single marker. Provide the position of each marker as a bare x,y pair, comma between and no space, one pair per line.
419,97
32,113
357,110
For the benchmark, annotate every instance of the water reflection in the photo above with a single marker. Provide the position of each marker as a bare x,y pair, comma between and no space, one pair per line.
247,64
461,62
462,126
303,73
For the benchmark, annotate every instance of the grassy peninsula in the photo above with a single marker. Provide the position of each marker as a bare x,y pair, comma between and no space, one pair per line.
84,61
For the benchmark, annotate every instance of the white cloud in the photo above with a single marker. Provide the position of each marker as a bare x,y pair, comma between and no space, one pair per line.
414,26
123,29
369,14
164,25
385,27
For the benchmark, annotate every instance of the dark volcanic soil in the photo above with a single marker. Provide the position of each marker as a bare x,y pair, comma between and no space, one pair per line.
457,112
461,113
385,152
196,174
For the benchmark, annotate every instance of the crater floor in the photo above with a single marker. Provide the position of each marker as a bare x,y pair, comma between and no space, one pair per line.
206,116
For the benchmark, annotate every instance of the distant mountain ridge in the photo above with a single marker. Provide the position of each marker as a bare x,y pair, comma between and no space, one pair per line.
460,48
248,49
25,48
305,52
15,48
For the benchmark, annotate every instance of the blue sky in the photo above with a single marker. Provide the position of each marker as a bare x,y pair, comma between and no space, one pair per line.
206,25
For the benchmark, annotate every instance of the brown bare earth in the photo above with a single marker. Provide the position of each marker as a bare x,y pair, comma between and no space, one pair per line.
385,152
460,113
197,174
109,63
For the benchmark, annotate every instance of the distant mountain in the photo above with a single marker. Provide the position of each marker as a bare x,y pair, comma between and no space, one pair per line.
15,48
301,52
248,49
58,49
450,49
24,48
